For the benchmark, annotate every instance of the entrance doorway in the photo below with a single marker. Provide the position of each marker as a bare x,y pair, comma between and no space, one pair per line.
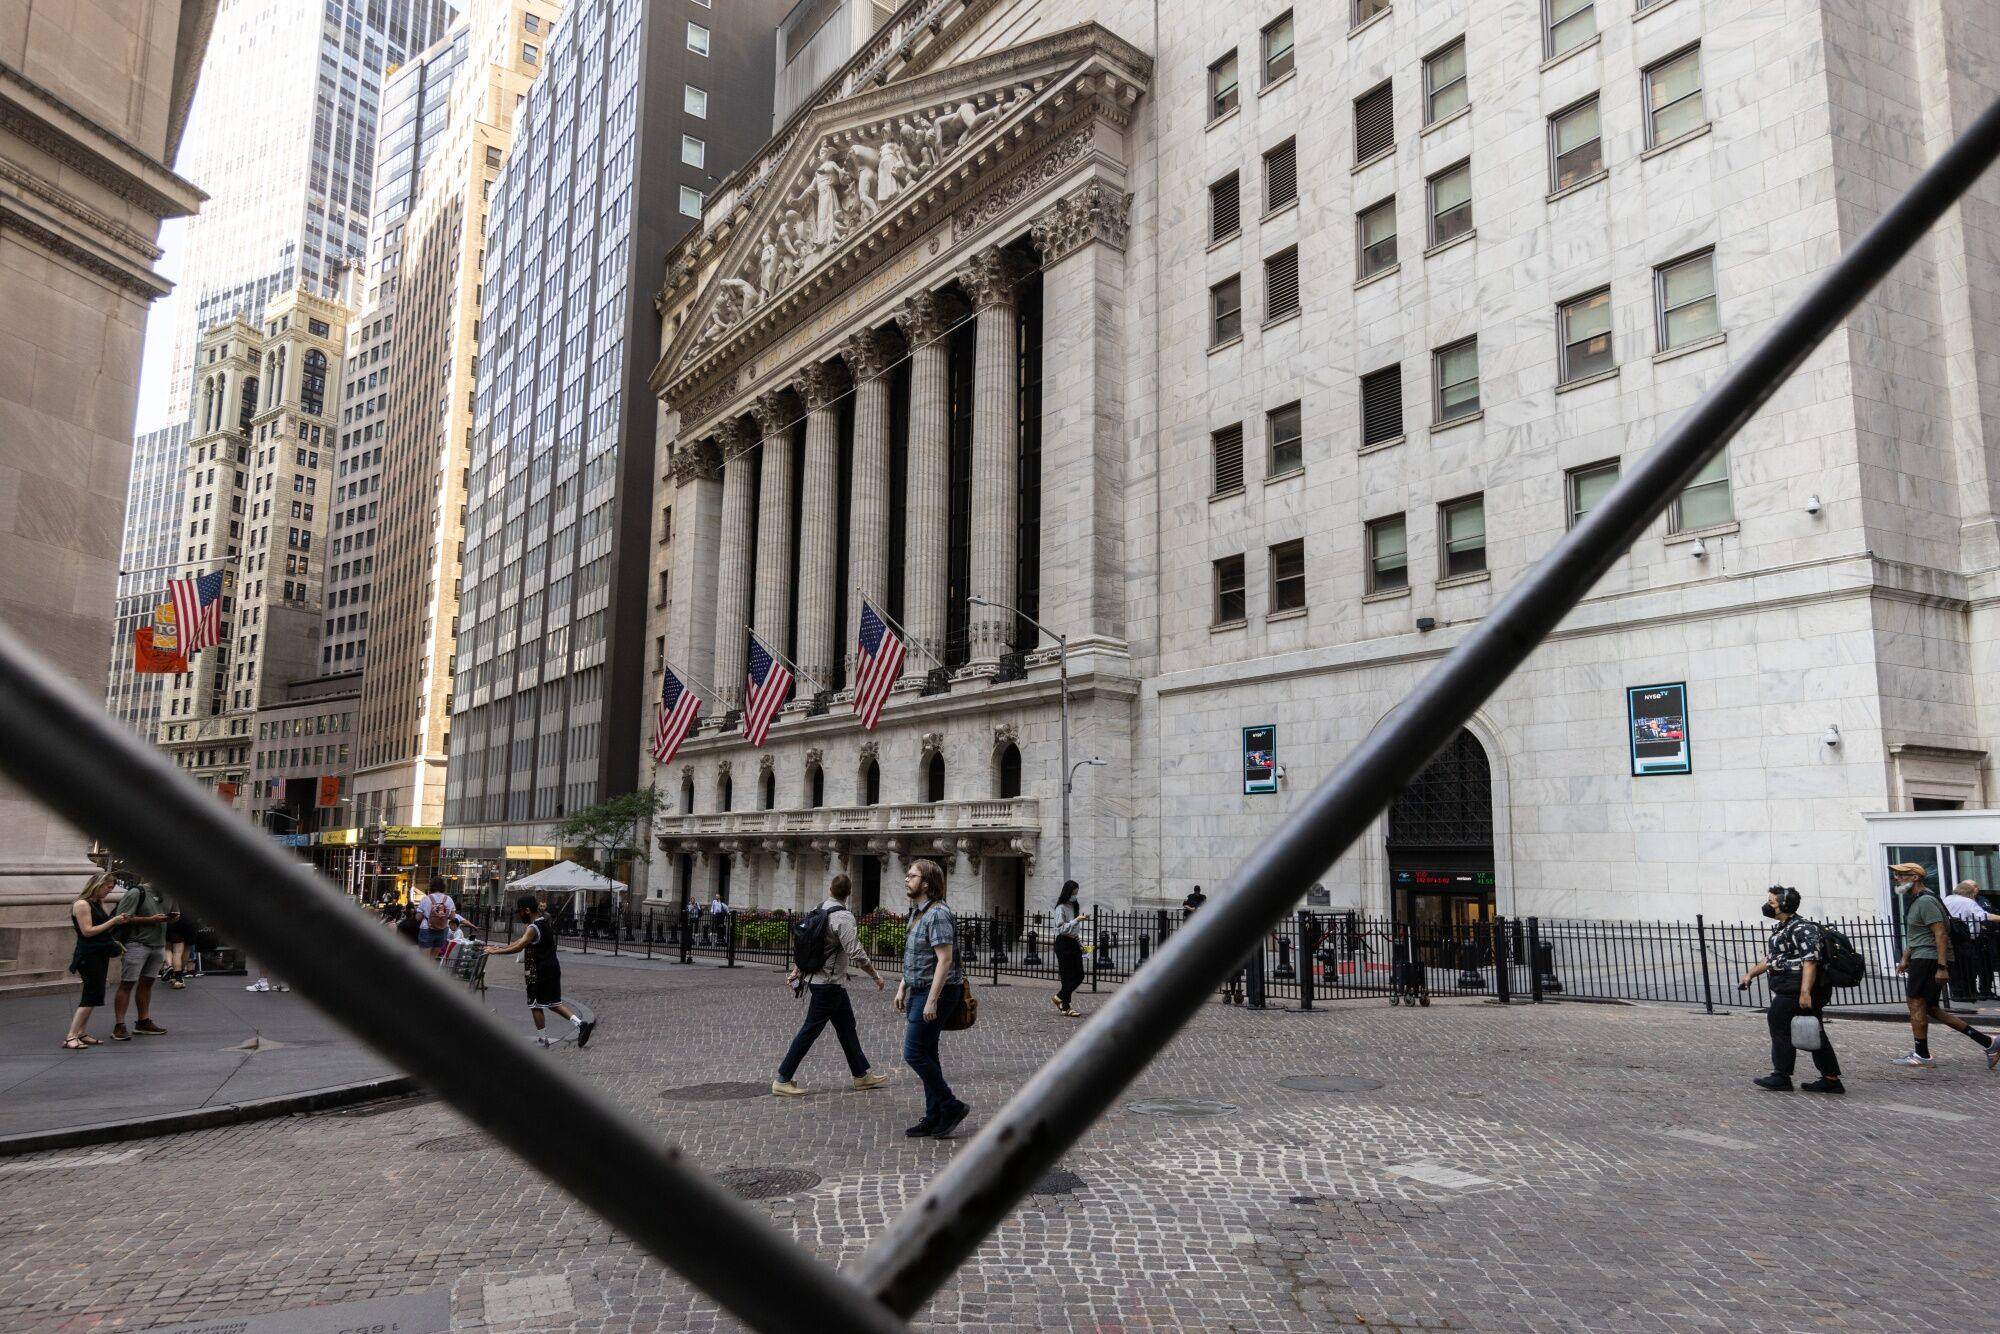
1441,843
869,871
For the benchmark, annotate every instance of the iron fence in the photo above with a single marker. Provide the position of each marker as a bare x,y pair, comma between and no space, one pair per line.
57,743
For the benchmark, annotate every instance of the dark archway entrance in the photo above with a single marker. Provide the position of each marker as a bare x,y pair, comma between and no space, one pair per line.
1441,840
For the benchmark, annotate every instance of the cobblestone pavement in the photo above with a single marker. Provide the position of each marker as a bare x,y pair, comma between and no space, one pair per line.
1571,1167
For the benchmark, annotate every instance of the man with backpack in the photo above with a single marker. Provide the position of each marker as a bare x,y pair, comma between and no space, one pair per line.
824,942
1801,984
435,914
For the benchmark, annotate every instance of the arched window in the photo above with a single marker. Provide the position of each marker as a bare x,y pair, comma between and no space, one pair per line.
768,790
725,791
312,383
208,404
934,778
871,784
249,403
815,786
1010,770
687,796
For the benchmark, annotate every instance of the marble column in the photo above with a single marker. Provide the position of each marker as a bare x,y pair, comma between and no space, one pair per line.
772,560
996,502
820,387
926,319
868,355
695,476
736,442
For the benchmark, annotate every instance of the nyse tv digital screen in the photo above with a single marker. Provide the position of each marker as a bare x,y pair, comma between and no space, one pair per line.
1657,721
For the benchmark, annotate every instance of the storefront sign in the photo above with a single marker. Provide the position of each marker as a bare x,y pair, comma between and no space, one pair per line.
294,840
1461,881
1260,759
329,790
1656,718
340,837
412,833
530,852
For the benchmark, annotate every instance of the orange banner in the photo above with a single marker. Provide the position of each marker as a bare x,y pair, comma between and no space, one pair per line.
150,657
227,791
329,790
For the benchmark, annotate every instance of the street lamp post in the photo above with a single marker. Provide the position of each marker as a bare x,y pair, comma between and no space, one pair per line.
1062,675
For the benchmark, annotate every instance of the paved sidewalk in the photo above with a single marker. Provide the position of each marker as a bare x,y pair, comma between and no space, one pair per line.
1574,1168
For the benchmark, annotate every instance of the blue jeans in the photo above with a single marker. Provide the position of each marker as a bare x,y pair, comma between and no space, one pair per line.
920,1047
432,940
827,1003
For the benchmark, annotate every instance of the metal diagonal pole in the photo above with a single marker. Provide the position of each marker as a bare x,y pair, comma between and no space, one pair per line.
59,745
986,1179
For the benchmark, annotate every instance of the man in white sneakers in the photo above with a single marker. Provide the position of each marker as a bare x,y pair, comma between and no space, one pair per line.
828,936
1926,965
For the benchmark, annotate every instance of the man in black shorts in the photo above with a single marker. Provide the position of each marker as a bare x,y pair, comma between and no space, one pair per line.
542,970
1926,964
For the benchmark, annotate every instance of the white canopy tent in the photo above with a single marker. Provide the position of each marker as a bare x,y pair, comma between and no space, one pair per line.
569,878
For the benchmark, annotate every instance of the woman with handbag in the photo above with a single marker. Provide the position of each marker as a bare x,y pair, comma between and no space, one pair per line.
96,947
931,994
1069,949
1800,990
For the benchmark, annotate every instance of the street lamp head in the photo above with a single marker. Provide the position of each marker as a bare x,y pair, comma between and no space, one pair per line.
1093,760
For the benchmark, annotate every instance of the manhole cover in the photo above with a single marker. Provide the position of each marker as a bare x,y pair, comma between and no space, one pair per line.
765,1183
1329,1084
716,1092
1179,1107
1059,1182
470,1142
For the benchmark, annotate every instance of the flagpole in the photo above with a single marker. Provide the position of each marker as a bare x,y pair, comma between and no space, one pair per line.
797,671
897,627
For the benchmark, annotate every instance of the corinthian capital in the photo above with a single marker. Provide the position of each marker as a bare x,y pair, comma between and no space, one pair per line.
926,316
820,384
868,353
989,277
1094,213
775,412
694,460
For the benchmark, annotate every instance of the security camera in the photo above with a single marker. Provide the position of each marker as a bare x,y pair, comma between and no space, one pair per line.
1812,503
1831,736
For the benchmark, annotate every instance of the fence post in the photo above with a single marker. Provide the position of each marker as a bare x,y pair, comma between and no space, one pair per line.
1535,960
998,953
1253,986
685,929
1502,982
1096,954
729,940
1307,954
1707,989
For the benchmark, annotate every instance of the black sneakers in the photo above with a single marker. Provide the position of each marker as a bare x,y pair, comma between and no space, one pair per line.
923,1129
1777,1083
583,1032
1824,1085
949,1119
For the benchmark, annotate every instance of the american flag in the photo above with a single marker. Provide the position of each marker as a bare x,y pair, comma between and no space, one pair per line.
881,663
197,603
765,691
673,716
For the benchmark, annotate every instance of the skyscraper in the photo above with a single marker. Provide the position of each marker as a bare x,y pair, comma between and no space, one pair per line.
639,108
413,588
152,517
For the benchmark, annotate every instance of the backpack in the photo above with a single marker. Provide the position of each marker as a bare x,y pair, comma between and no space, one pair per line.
812,943
436,917
1841,962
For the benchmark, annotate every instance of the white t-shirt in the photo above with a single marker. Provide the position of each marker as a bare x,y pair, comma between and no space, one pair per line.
430,901
1966,910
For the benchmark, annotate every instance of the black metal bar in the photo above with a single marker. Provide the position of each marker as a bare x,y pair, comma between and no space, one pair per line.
59,744
1503,985
924,1245
1307,952
1535,960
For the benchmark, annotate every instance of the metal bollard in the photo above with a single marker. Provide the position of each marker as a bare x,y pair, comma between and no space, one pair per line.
728,942
1306,952
1254,984
1503,983
1534,960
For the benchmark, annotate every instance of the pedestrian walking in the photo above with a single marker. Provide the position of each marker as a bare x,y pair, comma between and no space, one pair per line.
929,994
436,912
1799,986
180,941
96,928
825,943
145,939
1973,930
1069,947
543,971
1926,966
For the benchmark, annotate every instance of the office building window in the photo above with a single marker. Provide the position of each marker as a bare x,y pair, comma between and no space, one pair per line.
1576,145
694,101
1288,575
1374,123
1375,238
1445,92
529,55
1388,554
1462,536
1704,502
1571,23
1281,285
1225,208
1456,372
1673,97
690,201
1222,87
1229,606
1451,203
1381,406
697,39
694,152
1226,445
1284,428
1368,9
1684,293
1278,49
1588,485
1281,176
1225,307
1586,336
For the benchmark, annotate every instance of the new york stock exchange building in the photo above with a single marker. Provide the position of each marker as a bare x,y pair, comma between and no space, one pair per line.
1256,355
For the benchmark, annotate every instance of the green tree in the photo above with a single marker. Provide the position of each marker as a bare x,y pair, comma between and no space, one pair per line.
608,832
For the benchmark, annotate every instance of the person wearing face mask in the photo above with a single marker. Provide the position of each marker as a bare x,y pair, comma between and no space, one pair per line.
1926,965
1798,986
